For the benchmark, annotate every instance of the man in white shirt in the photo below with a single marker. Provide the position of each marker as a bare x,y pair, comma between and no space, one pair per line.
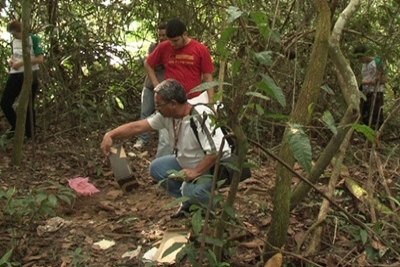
15,78
192,157
372,86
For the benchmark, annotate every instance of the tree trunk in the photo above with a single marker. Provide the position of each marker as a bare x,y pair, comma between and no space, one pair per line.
300,115
26,91
351,94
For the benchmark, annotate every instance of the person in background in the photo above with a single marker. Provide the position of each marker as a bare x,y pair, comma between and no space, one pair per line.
16,77
185,60
192,157
147,100
372,86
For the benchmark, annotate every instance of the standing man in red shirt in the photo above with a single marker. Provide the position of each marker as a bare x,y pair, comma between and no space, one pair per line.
186,60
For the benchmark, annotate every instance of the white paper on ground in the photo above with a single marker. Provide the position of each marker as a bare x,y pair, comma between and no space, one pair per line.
149,255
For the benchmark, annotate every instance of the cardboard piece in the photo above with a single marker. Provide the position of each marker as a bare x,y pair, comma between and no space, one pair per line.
171,238
123,173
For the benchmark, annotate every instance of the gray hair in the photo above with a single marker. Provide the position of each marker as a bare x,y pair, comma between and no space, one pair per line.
171,89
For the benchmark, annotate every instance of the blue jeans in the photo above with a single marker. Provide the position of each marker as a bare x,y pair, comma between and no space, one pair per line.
198,192
146,109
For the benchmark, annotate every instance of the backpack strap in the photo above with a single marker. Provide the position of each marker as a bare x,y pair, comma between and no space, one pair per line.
201,119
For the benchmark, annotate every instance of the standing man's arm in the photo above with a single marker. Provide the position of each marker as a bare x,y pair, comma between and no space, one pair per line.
207,77
207,69
151,73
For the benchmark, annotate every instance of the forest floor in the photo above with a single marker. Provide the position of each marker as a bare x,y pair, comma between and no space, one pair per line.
137,221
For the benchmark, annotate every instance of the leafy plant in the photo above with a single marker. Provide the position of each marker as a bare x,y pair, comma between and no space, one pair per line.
300,145
79,258
37,203
6,259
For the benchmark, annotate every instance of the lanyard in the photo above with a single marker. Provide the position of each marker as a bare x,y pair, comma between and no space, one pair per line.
177,127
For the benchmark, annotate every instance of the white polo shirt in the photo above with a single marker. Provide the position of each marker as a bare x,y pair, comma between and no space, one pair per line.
189,153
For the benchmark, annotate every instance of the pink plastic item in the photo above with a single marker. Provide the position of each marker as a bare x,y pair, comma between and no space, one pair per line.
82,186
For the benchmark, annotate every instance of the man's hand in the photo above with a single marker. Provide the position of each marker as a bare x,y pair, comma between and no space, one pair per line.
16,64
106,144
191,174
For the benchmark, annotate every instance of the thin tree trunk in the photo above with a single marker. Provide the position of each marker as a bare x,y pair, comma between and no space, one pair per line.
26,91
351,94
308,96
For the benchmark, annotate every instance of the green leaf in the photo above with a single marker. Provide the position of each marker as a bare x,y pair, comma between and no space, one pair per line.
213,241
397,201
236,65
329,121
10,193
120,104
276,116
310,109
172,248
233,13
230,165
2,193
365,130
40,197
300,146
327,89
207,85
258,95
230,211
212,258
197,222
264,58
223,41
53,201
6,257
261,19
260,109
220,183
363,236
269,86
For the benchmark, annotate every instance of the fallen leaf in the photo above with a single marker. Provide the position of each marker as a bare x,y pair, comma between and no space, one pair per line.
379,247
103,244
114,194
252,244
362,260
275,261
106,205
132,254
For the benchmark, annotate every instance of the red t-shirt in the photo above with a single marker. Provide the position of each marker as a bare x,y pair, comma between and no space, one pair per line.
186,64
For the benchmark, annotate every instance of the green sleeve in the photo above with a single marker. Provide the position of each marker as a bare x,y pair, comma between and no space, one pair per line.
378,63
37,49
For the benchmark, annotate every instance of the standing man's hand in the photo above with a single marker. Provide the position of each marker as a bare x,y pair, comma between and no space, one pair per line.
207,77
151,74
16,64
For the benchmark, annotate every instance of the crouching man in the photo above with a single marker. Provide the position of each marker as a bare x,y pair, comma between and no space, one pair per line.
193,156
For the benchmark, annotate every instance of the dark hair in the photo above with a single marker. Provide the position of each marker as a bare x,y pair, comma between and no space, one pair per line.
175,28
162,26
14,26
171,89
361,51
